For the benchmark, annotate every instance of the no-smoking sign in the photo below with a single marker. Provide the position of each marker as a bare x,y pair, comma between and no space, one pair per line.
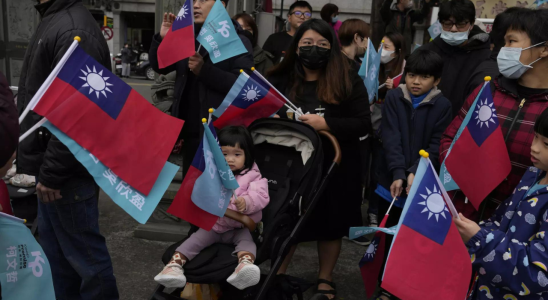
108,33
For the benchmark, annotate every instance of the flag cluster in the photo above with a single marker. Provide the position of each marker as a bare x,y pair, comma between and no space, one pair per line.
369,70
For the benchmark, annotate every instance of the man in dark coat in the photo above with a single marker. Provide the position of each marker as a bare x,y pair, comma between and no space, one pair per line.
399,16
200,84
9,126
67,211
126,61
462,45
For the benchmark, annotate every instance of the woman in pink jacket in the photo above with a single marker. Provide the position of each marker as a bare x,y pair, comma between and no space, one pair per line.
250,198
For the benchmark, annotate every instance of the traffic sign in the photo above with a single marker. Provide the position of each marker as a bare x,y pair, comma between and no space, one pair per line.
108,33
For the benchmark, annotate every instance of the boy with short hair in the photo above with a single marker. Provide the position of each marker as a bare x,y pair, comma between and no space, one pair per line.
414,116
508,251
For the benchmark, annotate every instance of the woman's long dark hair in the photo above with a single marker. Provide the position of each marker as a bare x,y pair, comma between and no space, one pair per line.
399,44
334,84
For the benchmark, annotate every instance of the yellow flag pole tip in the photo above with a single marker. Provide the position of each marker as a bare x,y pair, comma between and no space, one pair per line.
25,221
487,78
211,110
77,38
204,120
241,70
252,68
424,154
382,41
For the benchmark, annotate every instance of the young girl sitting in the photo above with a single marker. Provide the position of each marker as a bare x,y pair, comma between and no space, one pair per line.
509,249
250,198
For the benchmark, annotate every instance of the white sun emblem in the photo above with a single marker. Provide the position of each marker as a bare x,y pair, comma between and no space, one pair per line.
371,250
434,204
182,13
485,113
251,93
96,82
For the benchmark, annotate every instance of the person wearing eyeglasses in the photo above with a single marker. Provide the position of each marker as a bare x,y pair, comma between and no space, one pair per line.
399,16
199,84
277,43
462,45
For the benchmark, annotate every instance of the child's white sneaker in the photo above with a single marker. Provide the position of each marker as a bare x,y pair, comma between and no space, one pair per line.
246,274
172,276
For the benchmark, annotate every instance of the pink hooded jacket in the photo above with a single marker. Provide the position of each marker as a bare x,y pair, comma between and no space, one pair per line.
254,189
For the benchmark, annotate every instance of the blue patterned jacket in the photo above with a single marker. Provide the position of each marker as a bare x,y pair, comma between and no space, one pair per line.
509,253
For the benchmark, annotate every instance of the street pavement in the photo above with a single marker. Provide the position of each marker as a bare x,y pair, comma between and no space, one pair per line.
136,261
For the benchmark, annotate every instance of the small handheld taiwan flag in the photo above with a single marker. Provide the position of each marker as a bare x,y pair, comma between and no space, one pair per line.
178,43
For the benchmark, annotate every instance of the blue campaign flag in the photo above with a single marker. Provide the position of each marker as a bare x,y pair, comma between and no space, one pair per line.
435,29
218,35
216,183
447,180
541,2
137,205
373,64
26,272
356,232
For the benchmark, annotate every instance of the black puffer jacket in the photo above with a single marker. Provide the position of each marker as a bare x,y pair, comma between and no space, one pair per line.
459,63
214,81
9,125
62,20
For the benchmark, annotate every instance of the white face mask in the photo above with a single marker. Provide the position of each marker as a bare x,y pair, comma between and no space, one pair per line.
386,56
410,4
455,38
509,64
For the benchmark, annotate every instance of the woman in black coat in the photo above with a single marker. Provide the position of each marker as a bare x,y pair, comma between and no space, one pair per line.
316,77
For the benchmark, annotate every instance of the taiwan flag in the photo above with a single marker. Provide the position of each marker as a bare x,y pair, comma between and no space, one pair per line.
108,118
428,259
249,99
478,160
178,43
372,261
208,185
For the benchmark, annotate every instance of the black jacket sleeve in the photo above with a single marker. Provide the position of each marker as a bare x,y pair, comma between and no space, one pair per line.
356,122
269,45
386,14
444,119
391,137
222,81
9,123
418,16
153,56
59,163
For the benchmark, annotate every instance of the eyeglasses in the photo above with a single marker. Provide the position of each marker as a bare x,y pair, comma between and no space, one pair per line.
447,25
298,14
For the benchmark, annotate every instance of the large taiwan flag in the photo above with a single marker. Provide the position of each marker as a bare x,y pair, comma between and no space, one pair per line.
108,118
178,43
428,259
249,99
478,160
208,185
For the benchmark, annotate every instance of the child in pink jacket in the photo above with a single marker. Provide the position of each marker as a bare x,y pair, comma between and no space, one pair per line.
250,198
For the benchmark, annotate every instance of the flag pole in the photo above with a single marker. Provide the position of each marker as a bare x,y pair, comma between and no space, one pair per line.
270,84
42,90
382,85
391,204
32,129
446,197
211,110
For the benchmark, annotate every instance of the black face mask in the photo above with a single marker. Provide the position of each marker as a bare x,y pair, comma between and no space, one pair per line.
314,57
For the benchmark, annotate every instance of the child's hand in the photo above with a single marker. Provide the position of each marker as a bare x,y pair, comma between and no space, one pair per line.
240,204
410,179
396,188
389,83
466,227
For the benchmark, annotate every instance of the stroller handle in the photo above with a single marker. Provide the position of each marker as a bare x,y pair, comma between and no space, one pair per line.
335,143
239,217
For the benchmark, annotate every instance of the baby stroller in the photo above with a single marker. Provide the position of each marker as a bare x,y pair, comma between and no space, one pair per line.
290,155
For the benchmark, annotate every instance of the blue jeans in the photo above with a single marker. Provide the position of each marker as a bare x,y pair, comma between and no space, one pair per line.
77,252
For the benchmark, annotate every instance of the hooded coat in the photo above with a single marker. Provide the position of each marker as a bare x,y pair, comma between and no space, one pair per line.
459,62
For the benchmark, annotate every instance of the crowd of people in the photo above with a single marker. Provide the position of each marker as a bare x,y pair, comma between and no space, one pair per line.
424,97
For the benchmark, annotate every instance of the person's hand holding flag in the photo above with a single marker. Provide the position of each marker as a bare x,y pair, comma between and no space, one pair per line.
195,63
240,204
169,18
467,228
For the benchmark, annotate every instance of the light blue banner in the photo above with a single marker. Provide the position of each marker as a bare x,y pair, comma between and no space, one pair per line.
435,29
209,192
226,175
137,205
448,183
218,35
371,80
26,272
356,232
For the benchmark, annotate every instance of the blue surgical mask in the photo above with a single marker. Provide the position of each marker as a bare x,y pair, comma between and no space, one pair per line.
509,64
454,38
334,19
